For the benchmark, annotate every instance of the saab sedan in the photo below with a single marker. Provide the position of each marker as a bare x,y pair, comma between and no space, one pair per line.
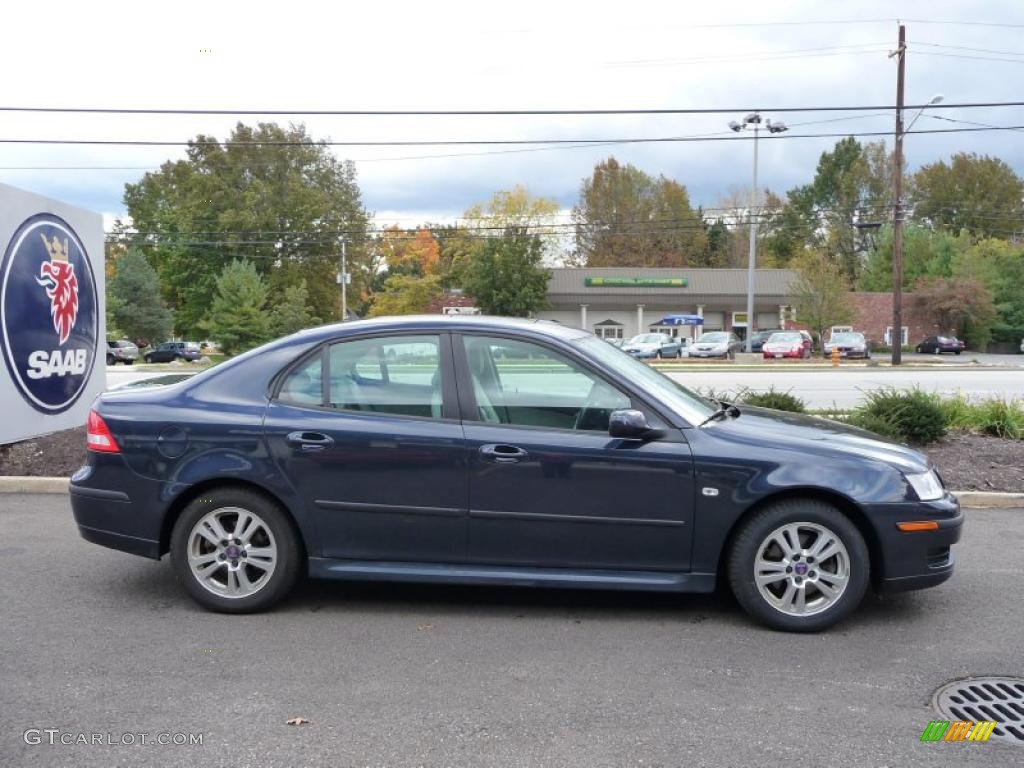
493,451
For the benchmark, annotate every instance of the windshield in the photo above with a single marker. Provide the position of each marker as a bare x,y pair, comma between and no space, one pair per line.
847,338
646,338
785,337
715,336
684,401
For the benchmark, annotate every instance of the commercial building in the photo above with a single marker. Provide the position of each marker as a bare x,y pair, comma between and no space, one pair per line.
618,302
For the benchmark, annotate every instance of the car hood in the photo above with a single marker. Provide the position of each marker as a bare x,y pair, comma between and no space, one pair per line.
817,437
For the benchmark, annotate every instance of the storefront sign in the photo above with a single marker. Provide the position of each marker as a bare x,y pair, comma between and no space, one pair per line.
636,282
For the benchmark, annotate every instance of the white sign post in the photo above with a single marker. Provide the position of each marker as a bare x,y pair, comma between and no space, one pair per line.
52,314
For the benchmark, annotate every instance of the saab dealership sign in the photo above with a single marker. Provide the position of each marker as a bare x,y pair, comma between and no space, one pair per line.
52,335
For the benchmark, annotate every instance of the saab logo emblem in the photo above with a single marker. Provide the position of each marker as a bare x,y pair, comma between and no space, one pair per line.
49,313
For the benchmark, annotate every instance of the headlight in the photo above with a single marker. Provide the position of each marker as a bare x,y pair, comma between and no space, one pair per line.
926,486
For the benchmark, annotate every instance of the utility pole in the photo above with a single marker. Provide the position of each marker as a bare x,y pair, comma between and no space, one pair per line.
344,284
896,338
752,255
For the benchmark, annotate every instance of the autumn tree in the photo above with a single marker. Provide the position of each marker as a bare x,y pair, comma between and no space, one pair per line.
405,295
961,307
269,194
820,295
979,194
626,218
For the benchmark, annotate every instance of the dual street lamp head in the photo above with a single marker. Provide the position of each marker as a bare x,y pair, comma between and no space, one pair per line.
754,118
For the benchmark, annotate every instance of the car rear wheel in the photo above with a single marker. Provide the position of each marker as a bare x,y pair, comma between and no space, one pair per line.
799,565
235,551
111,360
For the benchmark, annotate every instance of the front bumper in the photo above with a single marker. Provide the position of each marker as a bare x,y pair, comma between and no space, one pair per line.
709,353
918,559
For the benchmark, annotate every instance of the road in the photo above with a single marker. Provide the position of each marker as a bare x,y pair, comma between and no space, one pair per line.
819,387
98,641
845,387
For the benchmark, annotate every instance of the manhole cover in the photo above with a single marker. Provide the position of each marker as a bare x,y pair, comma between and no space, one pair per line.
997,699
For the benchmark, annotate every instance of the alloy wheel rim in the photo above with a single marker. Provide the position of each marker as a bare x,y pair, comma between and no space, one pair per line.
232,552
802,569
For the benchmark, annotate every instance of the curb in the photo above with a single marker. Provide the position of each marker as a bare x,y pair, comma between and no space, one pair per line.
25,484
59,485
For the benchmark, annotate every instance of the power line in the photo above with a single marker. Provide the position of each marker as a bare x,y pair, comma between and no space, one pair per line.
494,142
498,112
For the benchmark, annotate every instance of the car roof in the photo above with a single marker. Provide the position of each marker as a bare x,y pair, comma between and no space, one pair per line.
414,323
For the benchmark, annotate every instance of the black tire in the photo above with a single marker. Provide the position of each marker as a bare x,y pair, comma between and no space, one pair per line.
957,352
658,354
111,360
128,362
918,349
148,358
289,555
746,548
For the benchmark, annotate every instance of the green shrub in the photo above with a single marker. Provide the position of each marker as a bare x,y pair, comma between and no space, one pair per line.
958,412
779,401
1000,418
876,424
909,415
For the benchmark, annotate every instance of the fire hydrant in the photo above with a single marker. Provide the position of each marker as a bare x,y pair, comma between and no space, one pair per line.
835,357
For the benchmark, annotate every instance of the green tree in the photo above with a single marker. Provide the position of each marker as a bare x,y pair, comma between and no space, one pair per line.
134,303
269,194
851,186
926,253
238,319
626,218
292,313
405,295
976,193
962,307
1000,267
506,275
820,295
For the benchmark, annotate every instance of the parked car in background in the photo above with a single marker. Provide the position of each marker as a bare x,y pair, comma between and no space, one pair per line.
849,343
758,339
796,344
170,351
937,345
316,455
121,351
652,345
716,344
1022,345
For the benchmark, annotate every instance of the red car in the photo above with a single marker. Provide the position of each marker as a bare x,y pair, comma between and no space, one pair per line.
788,344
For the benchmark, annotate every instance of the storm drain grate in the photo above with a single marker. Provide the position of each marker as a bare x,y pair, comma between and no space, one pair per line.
996,699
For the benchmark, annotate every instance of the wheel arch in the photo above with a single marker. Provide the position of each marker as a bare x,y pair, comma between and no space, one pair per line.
844,504
182,500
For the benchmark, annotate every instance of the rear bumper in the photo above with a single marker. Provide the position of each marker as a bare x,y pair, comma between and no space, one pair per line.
919,559
112,518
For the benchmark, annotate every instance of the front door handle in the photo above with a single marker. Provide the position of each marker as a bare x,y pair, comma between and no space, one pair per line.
502,454
310,441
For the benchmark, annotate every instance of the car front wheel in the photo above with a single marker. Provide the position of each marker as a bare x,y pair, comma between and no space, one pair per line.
799,565
235,551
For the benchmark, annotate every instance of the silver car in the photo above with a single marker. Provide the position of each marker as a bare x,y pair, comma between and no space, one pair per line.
122,351
716,344
849,343
651,345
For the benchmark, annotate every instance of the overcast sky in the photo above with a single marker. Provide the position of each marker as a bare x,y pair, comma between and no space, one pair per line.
478,55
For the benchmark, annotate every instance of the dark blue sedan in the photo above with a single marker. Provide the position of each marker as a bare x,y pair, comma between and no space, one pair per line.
492,451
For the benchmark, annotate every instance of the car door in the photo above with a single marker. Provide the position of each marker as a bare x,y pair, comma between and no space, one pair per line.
367,432
548,486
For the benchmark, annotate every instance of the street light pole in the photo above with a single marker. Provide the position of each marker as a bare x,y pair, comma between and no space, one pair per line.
344,284
753,119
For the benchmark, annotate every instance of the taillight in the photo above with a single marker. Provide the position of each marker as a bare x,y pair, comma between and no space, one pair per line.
99,437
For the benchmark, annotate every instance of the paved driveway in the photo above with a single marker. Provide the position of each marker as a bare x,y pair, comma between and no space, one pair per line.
97,641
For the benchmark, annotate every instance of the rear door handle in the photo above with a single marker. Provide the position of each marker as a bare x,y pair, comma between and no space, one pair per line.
310,441
502,454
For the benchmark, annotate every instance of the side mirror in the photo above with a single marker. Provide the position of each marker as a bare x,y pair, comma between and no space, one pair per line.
632,425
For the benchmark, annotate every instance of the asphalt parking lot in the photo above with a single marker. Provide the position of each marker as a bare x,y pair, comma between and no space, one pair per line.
96,641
